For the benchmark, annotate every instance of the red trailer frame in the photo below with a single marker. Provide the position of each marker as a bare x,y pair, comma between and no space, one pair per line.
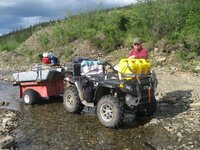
44,88
33,91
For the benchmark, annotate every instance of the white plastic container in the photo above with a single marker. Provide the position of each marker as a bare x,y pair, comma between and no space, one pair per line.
45,54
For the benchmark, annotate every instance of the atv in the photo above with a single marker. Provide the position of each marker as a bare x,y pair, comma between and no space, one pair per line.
112,93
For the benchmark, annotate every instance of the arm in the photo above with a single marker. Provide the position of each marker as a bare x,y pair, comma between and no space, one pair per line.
131,54
143,54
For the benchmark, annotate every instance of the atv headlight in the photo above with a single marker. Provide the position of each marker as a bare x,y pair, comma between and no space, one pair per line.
128,87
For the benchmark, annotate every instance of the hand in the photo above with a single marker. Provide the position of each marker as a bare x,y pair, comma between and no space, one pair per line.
132,56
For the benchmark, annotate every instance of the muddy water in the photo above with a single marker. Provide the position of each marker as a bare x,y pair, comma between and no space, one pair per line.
49,126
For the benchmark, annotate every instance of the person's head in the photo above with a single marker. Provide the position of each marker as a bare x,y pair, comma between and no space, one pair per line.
137,43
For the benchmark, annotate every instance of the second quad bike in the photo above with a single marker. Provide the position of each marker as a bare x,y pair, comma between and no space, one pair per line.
111,93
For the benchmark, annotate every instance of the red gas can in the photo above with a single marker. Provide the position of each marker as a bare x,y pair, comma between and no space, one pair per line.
45,60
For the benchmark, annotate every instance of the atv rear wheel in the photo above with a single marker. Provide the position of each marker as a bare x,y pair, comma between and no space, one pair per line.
72,101
110,111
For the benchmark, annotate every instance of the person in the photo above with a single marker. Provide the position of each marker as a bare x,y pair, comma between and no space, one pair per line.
138,51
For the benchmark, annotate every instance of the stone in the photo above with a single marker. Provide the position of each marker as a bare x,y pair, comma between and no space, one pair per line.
161,59
179,140
7,142
6,103
155,49
195,104
186,100
197,68
190,142
154,121
2,103
171,99
169,129
179,135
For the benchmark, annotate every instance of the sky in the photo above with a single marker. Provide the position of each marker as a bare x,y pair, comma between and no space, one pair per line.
18,14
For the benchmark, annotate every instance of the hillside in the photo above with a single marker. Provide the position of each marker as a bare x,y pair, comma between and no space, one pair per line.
170,30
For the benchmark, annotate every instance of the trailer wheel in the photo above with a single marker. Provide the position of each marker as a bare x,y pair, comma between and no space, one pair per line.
30,97
110,111
72,101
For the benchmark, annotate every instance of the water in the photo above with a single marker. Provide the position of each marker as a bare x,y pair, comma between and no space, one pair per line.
9,94
49,126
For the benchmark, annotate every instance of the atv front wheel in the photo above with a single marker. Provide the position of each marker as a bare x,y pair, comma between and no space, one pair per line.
72,101
110,111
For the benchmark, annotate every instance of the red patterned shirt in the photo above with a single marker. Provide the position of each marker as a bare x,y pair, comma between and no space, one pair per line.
142,53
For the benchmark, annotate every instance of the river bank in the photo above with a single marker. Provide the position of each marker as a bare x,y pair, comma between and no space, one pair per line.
8,122
8,112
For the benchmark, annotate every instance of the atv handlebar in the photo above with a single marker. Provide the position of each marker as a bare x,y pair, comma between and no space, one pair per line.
104,64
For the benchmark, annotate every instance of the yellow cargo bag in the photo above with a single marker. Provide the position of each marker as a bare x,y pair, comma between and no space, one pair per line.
130,67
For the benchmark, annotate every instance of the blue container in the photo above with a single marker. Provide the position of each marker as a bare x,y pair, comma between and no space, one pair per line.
53,60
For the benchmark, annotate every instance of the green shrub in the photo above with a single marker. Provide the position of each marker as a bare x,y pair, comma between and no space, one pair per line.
186,55
44,40
9,46
69,52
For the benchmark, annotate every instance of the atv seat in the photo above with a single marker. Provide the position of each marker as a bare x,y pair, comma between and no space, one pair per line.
104,77
97,77
112,75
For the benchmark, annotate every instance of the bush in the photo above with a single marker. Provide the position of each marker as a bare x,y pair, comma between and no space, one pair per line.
186,55
44,40
9,46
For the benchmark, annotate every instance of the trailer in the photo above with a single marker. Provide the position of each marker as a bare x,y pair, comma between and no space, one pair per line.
40,83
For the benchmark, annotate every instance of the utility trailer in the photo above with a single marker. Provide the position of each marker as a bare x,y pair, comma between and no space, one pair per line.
40,83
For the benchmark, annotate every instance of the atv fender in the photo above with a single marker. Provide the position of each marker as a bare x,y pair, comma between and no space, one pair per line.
101,91
107,85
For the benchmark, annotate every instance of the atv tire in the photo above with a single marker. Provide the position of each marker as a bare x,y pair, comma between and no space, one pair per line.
30,97
72,101
110,111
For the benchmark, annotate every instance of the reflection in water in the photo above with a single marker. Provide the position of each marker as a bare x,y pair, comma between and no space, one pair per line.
49,126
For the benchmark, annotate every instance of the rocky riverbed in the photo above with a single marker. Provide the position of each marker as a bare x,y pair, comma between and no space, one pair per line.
8,122
175,125
8,114
179,107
